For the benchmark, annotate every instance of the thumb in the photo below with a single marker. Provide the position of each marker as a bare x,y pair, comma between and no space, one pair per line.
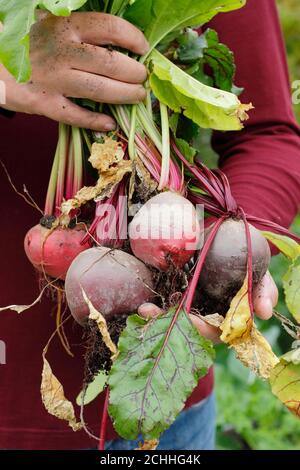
265,297
149,310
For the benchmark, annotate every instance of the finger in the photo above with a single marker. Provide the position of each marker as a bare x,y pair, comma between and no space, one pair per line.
78,84
63,110
103,29
206,330
149,310
265,297
101,61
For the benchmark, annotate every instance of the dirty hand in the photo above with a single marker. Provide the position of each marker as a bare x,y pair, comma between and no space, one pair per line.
265,298
70,59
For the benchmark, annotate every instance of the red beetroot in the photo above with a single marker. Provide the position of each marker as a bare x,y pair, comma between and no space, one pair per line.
225,266
115,282
165,229
52,251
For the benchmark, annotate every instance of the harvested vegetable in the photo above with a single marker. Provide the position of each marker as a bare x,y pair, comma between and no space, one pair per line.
165,230
115,282
150,162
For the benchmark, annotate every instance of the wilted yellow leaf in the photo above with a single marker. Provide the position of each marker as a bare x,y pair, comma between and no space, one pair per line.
54,399
254,352
213,319
106,154
238,321
148,445
285,381
22,308
102,325
242,111
107,158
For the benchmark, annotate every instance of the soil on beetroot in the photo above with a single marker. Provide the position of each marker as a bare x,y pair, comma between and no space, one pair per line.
169,285
98,356
206,305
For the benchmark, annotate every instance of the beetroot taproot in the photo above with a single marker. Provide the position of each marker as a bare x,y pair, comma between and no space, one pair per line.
51,251
114,281
165,230
225,266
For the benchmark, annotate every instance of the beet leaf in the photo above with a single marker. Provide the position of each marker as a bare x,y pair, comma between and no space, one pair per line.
159,364
206,106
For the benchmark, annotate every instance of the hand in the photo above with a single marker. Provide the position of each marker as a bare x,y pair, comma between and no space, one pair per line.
69,61
265,297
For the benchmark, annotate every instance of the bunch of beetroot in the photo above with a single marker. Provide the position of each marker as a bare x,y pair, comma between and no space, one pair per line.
166,233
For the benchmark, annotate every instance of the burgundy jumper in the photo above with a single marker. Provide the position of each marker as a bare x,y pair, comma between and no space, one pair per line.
262,163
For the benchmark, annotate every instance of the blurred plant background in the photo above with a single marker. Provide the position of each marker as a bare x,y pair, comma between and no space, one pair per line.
249,416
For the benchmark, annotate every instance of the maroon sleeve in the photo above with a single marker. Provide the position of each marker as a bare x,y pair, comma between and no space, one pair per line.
263,161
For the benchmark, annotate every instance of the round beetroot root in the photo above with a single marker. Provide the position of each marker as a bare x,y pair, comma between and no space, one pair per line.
52,251
165,230
115,282
225,266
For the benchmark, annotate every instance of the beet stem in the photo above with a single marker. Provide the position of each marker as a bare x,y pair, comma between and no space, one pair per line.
196,172
193,284
103,427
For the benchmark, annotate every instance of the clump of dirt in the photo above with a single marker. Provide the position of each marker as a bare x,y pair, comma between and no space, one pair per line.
207,305
169,285
98,356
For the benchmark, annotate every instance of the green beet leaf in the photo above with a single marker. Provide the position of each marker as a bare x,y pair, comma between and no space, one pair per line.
159,365
206,49
206,106
185,148
17,17
158,18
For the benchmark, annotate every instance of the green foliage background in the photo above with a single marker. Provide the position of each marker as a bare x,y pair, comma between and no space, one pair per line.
249,417
290,19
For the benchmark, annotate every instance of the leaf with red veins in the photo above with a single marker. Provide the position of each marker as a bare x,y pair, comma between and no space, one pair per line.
159,364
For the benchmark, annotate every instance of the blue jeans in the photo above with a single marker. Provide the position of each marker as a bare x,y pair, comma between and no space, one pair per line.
194,429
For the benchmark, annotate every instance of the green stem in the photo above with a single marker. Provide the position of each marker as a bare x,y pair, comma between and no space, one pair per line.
106,3
78,164
131,138
149,127
50,198
149,102
166,152
63,153
120,115
87,139
70,172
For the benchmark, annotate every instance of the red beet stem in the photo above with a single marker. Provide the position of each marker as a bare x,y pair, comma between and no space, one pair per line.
193,284
267,224
103,427
206,181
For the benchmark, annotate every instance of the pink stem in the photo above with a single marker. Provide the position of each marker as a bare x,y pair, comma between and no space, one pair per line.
194,282
103,427
267,224
200,177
